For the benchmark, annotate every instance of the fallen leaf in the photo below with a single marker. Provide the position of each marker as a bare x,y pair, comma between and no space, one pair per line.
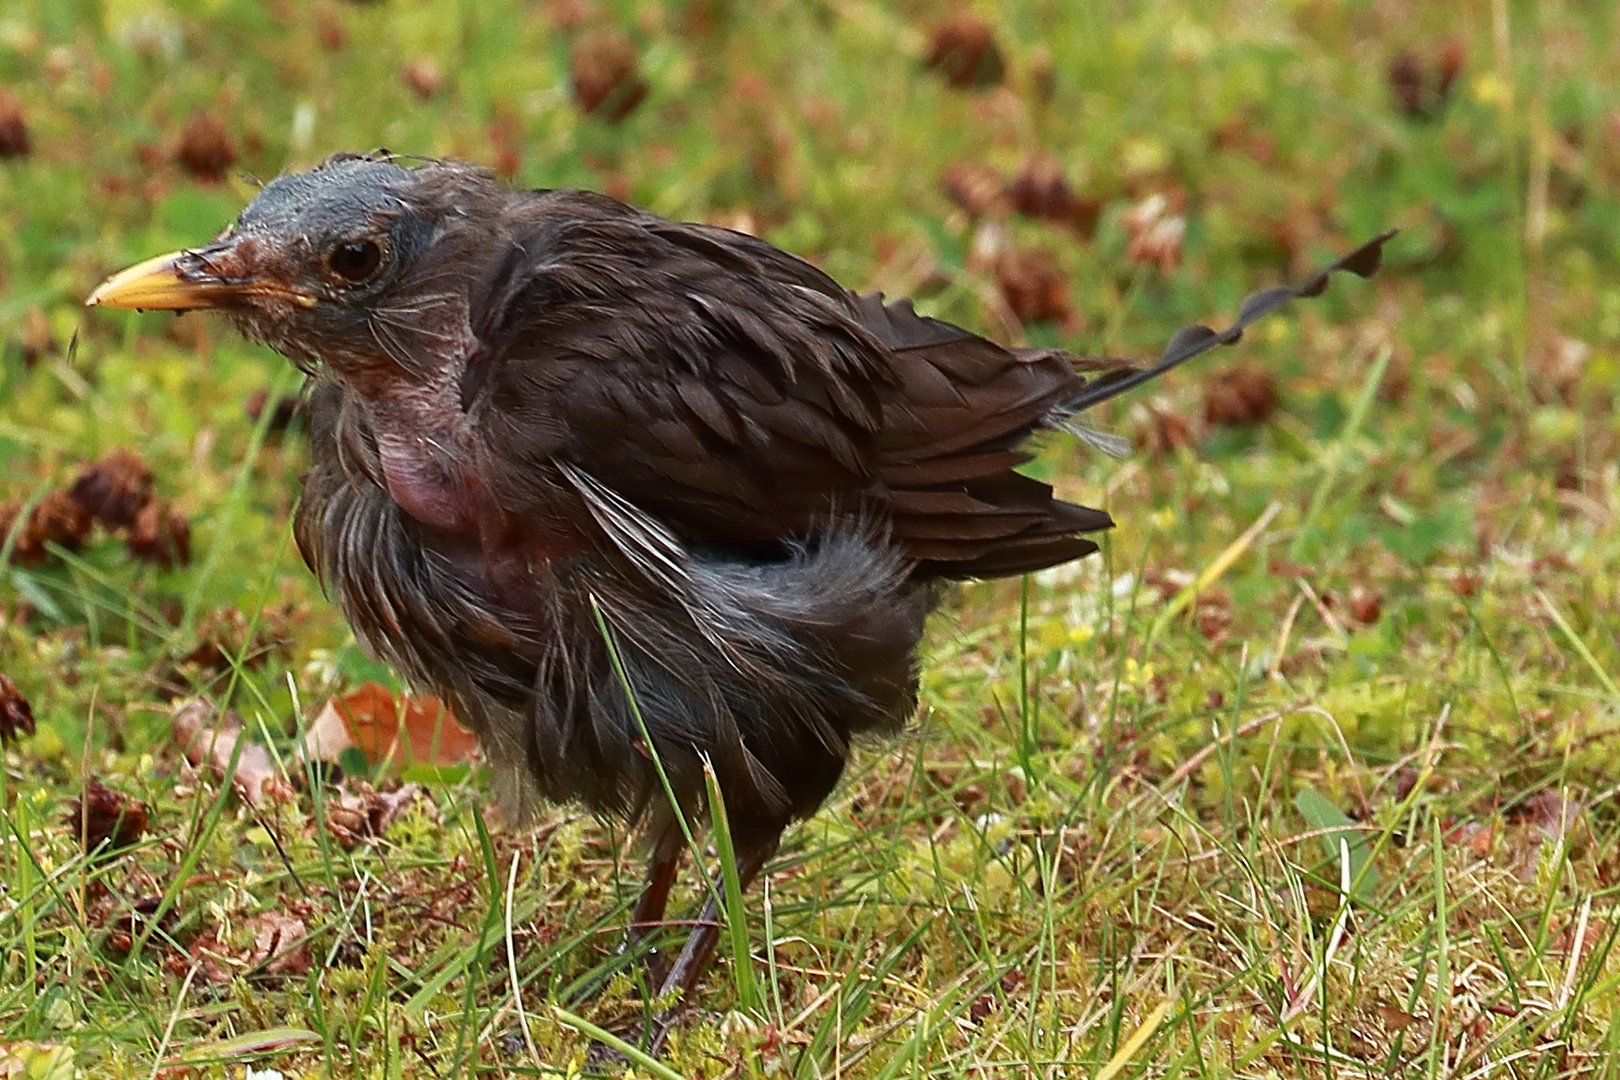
1396,1019
37,338
1034,286
56,519
1242,396
122,918
1366,607
208,737
422,732
1596,931
1406,79
1478,837
355,810
974,186
280,944
1040,190
1552,814
1164,432
213,961
160,536
423,77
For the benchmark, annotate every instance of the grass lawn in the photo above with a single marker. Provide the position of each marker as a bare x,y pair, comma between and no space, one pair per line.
1310,773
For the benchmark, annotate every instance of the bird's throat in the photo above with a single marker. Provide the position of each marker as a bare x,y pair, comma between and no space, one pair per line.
426,483
420,432
429,471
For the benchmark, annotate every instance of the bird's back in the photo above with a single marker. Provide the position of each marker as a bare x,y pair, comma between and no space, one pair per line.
742,399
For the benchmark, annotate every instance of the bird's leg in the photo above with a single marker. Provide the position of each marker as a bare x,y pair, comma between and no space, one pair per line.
662,866
698,953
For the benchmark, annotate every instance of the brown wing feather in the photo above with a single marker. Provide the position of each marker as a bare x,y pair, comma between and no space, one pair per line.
741,398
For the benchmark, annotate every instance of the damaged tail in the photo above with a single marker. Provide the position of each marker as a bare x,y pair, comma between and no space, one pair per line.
1195,340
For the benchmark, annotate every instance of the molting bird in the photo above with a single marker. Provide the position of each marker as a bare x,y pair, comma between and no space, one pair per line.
636,496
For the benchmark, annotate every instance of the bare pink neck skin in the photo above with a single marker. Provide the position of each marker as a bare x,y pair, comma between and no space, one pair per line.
428,450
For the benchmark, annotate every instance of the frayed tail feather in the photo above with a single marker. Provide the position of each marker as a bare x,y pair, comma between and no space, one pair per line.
1196,340
1110,443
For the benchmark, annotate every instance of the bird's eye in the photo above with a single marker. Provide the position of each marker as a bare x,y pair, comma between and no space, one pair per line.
356,261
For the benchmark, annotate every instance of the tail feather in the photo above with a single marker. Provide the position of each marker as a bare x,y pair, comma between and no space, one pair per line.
962,408
1196,340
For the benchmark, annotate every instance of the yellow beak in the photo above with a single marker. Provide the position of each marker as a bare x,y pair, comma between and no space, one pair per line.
173,283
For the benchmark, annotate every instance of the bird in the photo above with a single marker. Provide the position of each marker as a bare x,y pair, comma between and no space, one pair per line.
637,498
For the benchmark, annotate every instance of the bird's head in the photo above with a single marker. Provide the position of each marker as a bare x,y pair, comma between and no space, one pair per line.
323,266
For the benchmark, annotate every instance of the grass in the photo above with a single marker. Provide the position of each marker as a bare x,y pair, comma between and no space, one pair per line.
1308,773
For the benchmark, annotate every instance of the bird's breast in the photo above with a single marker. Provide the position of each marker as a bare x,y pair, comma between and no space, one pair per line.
445,493
424,478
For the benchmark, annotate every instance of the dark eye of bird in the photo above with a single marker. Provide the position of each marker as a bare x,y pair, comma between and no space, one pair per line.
356,260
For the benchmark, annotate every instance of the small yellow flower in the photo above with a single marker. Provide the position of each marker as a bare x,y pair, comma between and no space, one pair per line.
1487,89
1054,634
1137,674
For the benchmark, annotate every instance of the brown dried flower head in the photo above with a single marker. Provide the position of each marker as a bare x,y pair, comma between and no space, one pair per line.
606,80
963,49
206,149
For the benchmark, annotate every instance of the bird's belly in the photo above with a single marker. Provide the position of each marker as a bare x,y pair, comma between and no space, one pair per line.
764,670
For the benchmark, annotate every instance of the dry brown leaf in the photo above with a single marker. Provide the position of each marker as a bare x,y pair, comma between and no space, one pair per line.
1041,190
1406,80
974,186
1242,396
1553,814
605,77
423,77
37,339
160,536
1397,1019
208,737
280,944
1478,837
1034,286
56,519
1164,432
356,811
1366,607
370,718
212,959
